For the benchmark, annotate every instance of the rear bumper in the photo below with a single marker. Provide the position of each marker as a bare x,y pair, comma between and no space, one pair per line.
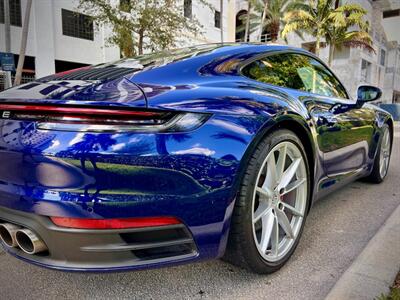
191,176
103,250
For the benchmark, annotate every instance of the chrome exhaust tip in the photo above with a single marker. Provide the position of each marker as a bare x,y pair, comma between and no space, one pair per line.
8,234
29,242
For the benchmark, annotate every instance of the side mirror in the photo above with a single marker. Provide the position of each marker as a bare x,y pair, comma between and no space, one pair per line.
367,93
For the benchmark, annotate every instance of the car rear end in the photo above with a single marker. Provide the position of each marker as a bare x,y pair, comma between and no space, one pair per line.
93,184
72,198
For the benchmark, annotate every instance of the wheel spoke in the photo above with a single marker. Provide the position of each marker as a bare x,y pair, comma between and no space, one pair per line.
280,165
266,231
284,222
262,209
271,178
293,210
275,237
293,185
266,192
384,154
387,139
289,173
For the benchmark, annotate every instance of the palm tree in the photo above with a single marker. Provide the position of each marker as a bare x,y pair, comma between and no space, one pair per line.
346,17
271,20
263,17
322,20
349,39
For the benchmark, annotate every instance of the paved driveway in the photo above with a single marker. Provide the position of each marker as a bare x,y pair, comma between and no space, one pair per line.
337,229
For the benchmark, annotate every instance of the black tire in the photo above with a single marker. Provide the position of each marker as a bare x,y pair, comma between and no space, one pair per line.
242,250
376,176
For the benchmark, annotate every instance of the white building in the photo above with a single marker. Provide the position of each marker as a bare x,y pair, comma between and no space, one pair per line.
57,40
355,66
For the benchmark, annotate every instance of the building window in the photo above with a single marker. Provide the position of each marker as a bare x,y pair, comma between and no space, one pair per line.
365,71
77,25
2,12
15,12
187,8
391,13
382,59
217,19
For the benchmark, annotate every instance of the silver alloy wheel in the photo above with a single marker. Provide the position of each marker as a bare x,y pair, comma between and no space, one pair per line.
384,153
279,201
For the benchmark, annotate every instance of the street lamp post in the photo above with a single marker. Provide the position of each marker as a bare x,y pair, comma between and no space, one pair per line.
7,83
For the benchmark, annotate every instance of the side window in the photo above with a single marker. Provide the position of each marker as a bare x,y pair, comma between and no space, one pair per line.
298,72
280,69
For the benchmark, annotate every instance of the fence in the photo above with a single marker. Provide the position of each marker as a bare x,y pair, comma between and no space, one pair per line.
24,79
265,38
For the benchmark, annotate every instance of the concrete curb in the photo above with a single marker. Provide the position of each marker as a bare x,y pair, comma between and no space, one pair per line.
375,269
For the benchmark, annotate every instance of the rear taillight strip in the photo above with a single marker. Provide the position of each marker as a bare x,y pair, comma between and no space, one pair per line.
76,110
96,119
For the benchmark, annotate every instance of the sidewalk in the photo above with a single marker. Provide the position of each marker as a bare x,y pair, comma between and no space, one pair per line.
374,270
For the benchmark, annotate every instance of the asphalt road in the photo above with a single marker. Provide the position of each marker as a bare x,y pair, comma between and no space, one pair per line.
337,229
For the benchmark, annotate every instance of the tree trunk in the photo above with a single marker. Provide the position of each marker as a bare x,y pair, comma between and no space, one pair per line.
317,46
221,19
331,54
140,43
274,31
264,15
24,39
246,33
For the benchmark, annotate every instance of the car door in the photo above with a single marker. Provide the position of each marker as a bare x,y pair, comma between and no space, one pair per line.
343,131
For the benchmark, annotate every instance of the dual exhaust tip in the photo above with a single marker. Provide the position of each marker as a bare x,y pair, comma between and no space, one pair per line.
15,236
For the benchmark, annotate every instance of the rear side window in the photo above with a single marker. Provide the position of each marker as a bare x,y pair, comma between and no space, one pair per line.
296,71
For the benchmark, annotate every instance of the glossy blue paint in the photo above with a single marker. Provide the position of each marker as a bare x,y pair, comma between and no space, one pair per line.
192,175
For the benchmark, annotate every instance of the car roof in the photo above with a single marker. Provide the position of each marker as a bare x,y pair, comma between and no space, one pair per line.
165,57
204,58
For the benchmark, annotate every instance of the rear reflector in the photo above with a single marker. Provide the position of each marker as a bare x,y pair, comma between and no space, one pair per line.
114,223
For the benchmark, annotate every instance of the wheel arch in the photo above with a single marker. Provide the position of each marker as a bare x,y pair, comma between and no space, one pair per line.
294,123
289,121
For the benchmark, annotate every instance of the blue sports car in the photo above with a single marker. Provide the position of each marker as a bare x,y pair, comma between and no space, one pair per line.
179,156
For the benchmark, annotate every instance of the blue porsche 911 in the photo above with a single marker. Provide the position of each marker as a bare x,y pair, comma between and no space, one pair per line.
179,156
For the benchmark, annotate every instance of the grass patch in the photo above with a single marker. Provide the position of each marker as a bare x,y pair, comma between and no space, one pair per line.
394,291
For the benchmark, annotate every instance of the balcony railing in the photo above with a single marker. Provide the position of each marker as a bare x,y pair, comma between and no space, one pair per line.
265,38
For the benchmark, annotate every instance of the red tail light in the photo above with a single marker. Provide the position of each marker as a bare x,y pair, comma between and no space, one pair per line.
100,119
87,111
66,114
114,223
